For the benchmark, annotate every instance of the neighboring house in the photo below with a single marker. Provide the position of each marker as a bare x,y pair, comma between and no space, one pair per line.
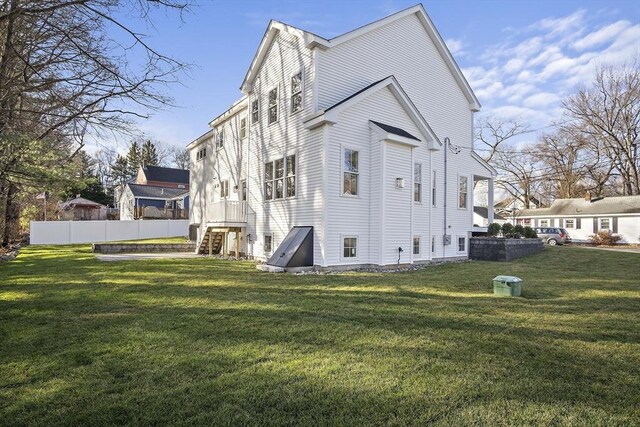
481,217
81,209
155,193
584,217
346,140
507,206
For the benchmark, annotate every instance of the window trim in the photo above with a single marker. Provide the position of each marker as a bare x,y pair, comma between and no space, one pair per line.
224,184
277,89
220,139
349,236
413,245
301,72
241,129
540,224
466,196
573,226
257,102
343,148
465,245
264,238
273,160
610,220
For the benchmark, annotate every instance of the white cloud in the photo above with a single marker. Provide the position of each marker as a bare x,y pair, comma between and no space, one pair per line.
455,46
603,35
541,100
514,65
556,26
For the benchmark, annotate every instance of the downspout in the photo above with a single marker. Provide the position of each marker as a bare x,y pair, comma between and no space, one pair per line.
444,198
430,234
411,203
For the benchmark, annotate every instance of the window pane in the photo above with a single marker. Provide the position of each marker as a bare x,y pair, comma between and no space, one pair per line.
268,171
279,167
350,161
254,112
461,244
291,165
268,190
279,188
416,245
296,83
273,97
291,186
349,247
351,184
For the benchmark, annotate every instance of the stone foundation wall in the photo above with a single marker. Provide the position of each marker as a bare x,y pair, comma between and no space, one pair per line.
121,248
497,249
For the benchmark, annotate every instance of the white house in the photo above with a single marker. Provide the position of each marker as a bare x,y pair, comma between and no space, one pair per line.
584,217
364,140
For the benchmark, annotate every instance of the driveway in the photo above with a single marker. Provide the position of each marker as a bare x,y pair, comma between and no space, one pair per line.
138,256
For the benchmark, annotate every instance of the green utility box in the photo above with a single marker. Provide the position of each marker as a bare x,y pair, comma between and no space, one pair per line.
509,286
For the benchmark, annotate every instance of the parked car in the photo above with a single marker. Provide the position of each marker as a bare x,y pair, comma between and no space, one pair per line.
553,235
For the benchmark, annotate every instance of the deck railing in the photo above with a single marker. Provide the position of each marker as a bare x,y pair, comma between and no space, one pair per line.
227,211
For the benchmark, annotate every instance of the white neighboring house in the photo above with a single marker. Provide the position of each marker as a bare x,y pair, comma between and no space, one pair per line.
481,217
584,217
349,136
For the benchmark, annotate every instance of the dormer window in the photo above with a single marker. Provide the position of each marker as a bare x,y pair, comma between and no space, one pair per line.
220,139
296,93
273,105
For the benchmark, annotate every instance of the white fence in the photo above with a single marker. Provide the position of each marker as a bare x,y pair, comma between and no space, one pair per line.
69,232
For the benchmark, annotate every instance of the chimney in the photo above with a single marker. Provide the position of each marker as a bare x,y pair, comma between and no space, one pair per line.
587,197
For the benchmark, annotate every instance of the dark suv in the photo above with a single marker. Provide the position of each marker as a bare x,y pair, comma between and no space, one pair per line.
553,235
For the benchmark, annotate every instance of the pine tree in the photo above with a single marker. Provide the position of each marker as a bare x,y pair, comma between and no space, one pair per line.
120,171
134,159
148,154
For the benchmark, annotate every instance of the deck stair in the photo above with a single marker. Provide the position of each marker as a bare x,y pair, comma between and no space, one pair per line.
216,238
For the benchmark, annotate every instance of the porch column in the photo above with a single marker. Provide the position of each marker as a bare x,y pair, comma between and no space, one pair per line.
490,200
225,244
210,243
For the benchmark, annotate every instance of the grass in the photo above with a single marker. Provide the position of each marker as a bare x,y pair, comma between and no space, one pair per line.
155,241
212,342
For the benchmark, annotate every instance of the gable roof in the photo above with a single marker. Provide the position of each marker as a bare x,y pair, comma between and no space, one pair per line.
330,115
156,192
80,202
158,173
597,206
312,41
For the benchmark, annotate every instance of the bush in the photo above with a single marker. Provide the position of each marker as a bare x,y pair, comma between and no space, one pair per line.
493,229
605,237
530,233
518,231
507,229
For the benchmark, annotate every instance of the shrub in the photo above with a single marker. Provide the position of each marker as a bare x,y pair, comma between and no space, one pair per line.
518,231
605,237
493,229
507,229
530,233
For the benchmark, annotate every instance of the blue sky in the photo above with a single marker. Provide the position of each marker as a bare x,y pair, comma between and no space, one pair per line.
520,57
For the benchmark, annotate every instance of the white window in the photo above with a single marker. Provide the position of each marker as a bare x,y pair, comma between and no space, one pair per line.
463,191
201,154
268,241
350,172
417,182
280,178
220,139
433,189
243,128
462,244
416,245
255,112
273,105
224,189
544,223
605,224
350,247
569,223
296,93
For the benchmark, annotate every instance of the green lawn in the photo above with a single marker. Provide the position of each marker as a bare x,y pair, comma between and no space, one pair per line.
212,342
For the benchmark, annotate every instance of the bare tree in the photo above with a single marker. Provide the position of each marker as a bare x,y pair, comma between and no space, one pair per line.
518,174
65,72
179,157
494,133
608,112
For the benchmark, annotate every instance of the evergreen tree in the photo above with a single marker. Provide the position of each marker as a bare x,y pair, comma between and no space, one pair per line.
120,170
148,154
134,159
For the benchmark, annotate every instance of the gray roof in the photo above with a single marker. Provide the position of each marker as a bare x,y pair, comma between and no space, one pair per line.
394,130
484,213
80,202
140,190
157,173
597,206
